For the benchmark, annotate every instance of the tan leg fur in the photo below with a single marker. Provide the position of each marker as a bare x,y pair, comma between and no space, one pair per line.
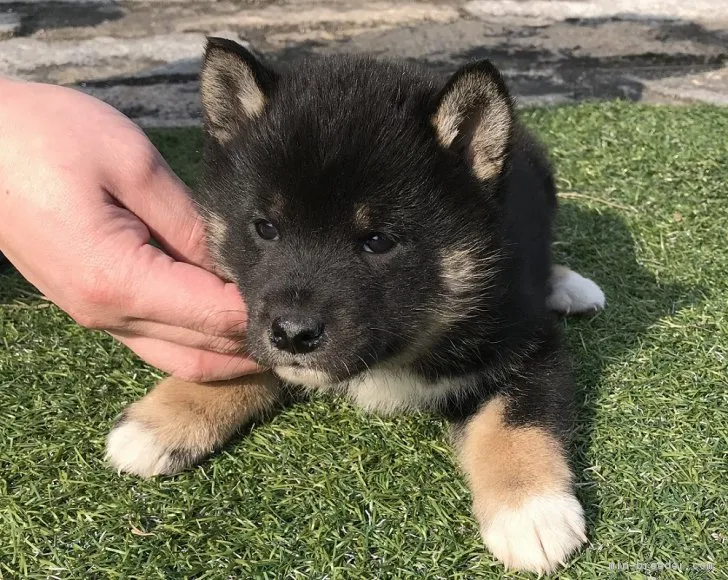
521,485
178,423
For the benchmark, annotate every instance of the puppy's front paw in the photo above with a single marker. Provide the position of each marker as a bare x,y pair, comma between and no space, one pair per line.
134,447
537,536
179,423
571,293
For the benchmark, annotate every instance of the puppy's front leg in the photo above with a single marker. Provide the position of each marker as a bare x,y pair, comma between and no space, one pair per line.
178,423
521,484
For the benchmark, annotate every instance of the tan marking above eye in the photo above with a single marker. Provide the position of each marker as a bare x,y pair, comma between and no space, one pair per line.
277,205
362,216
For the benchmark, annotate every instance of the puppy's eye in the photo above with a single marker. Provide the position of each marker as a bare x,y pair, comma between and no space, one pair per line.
378,244
266,230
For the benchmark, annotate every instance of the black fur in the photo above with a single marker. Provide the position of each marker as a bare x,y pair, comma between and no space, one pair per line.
343,133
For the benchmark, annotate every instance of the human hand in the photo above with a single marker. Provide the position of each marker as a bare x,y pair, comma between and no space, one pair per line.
82,191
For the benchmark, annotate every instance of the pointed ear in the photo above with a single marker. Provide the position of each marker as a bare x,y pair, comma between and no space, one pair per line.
475,116
234,86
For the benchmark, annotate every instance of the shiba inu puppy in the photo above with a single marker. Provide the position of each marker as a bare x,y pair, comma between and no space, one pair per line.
392,239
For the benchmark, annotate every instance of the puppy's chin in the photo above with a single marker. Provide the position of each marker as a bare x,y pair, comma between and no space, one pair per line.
305,377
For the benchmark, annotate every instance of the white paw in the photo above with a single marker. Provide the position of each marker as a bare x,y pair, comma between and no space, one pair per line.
539,535
133,448
571,293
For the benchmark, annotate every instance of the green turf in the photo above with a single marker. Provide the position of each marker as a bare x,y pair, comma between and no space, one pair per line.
324,491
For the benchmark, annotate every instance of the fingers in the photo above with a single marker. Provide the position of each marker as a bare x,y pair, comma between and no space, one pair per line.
182,295
187,363
175,315
184,336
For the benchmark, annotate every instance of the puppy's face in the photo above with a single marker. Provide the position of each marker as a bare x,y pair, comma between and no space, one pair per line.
349,201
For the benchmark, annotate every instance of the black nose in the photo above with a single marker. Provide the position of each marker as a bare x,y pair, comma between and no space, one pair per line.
297,335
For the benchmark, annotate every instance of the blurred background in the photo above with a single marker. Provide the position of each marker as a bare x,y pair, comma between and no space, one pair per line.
143,57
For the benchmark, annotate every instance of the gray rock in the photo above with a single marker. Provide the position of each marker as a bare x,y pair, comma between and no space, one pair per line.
143,56
9,24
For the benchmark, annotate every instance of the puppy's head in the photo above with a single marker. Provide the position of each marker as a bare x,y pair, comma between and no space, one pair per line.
350,200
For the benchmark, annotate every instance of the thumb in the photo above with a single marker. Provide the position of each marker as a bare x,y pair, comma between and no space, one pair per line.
162,201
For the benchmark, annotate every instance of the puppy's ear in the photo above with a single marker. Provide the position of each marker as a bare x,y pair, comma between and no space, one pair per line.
474,116
234,87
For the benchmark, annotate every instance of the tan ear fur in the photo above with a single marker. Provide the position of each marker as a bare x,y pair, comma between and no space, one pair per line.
233,87
475,110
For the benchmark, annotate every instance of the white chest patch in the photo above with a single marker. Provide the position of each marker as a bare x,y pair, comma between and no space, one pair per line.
390,390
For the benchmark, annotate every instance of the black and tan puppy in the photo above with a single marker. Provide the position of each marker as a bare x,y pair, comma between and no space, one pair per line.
391,237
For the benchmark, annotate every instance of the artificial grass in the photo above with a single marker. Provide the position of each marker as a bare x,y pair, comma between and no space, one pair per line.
325,491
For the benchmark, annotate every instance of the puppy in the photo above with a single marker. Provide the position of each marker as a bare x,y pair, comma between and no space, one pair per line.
391,237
